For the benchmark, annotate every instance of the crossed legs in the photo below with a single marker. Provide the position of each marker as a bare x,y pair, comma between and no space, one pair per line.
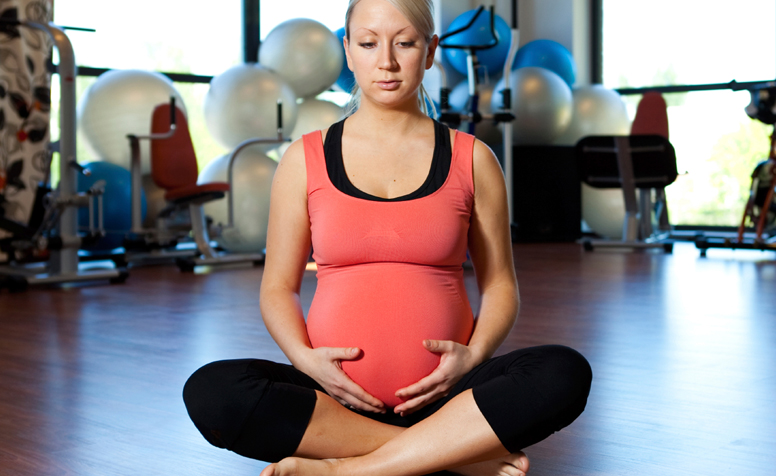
457,437
271,412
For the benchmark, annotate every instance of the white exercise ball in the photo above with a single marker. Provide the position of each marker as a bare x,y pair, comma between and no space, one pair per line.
313,114
598,111
541,103
603,209
253,173
305,53
121,102
487,131
242,104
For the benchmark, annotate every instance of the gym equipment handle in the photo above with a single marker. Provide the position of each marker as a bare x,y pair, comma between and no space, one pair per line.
17,22
486,46
80,168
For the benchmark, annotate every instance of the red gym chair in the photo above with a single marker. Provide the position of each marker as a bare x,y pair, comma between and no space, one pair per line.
652,119
174,168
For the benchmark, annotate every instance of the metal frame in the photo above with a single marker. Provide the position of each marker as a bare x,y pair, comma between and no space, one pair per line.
504,116
63,265
637,231
204,254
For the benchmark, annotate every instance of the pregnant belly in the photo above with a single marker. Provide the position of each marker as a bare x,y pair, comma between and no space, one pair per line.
387,312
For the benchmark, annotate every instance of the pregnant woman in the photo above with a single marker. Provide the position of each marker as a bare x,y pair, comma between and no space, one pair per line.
390,374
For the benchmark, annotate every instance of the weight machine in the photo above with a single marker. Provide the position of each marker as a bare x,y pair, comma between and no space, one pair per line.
56,234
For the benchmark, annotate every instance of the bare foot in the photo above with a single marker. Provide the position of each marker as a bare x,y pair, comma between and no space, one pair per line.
515,464
300,467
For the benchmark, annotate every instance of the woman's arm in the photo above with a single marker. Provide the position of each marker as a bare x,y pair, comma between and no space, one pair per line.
490,249
288,246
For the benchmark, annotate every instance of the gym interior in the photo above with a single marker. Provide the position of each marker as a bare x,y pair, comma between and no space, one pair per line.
138,143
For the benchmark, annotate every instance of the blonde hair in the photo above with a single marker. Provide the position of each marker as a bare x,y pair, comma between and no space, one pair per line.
420,14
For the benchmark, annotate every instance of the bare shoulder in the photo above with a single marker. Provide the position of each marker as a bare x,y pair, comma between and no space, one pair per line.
293,157
291,173
488,174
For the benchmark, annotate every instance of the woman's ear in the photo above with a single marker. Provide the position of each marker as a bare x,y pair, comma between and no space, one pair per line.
432,46
349,61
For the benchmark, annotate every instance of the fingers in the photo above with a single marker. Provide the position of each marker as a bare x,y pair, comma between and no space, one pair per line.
347,392
426,391
415,404
343,353
434,378
438,345
423,385
356,397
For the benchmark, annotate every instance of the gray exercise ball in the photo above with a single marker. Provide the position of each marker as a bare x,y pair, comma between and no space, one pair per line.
305,53
242,103
598,111
541,103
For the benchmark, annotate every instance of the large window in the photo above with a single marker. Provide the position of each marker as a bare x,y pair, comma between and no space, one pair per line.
685,42
329,12
184,36
181,36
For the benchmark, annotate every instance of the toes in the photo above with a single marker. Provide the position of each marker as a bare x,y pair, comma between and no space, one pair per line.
510,470
520,461
268,471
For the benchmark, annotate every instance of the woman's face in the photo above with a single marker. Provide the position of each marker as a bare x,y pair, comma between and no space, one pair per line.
386,54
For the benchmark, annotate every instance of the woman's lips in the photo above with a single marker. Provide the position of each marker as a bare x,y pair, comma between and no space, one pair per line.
388,85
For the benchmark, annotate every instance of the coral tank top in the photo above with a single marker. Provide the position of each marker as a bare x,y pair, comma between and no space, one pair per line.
390,273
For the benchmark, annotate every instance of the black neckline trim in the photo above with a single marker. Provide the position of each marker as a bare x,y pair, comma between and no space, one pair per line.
437,175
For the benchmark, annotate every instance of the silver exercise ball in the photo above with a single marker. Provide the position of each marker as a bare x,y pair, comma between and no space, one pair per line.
603,209
541,103
242,104
253,173
305,53
597,111
121,102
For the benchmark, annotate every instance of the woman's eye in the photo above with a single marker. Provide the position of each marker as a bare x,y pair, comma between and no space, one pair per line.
407,44
366,45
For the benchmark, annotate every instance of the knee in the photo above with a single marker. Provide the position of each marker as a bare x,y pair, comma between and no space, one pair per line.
576,366
572,373
213,402
251,407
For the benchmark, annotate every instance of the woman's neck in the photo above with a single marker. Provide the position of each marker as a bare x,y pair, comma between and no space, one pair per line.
377,119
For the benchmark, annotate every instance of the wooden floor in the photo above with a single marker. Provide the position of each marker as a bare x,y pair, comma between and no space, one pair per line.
683,351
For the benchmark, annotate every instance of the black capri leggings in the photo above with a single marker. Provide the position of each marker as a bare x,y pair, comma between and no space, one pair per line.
261,409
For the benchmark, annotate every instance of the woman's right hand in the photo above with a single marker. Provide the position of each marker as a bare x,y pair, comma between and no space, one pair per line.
323,365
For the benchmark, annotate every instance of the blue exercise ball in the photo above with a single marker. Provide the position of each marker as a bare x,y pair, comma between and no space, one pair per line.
550,55
346,80
116,203
479,34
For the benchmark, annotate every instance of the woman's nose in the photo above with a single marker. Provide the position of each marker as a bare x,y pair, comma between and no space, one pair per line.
387,59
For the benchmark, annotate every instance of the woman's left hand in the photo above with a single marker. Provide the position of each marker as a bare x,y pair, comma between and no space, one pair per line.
456,360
